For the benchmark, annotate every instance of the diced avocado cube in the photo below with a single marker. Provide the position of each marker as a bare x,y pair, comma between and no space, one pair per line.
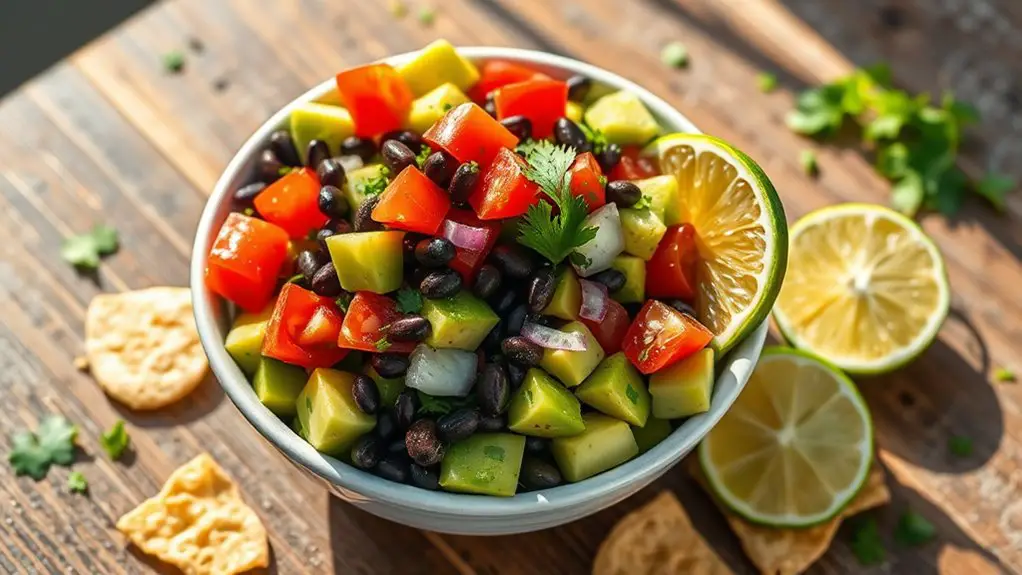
313,121
643,231
485,463
623,119
461,321
567,298
389,387
245,340
617,389
606,443
368,261
433,105
436,64
664,197
354,184
649,435
573,111
572,367
683,389
634,268
544,408
328,414
278,384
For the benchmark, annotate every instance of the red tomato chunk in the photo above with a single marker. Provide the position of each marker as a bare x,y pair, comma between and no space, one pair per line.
661,336
671,272
412,202
503,190
303,329
587,180
499,73
468,262
368,313
245,260
292,202
541,101
610,332
377,98
470,135
632,167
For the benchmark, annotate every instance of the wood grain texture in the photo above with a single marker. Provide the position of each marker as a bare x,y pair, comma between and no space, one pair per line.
111,137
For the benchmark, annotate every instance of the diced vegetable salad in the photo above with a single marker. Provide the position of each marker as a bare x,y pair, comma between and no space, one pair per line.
466,277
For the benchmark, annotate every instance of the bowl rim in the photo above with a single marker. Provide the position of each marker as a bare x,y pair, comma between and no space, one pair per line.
357,485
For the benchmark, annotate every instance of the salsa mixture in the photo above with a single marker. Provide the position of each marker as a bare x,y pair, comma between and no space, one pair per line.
466,276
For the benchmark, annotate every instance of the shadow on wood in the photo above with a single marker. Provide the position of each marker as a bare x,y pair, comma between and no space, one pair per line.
200,402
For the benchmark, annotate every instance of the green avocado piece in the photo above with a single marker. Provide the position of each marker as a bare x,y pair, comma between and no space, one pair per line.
278,384
368,261
572,367
461,321
485,463
433,105
245,340
643,231
623,119
683,389
567,298
328,414
389,387
354,184
544,408
617,389
634,268
436,64
314,121
649,435
606,443
664,197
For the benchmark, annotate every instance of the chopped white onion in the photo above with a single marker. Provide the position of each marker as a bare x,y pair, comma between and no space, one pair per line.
594,300
350,163
550,338
609,242
441,372
465,237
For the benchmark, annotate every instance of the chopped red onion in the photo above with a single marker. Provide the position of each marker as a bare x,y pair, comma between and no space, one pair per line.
465,237
550,338
594,300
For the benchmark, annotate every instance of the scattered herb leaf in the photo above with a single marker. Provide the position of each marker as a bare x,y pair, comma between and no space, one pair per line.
448,107
77,483
430,405
807,159
382,344
343,301
603,181
424,153
632,394
995,188
913,529
426,16
375,185
959,445
174,61
866,543
84,251
53,443
767,82
596,137
1004,375
115,440
674,55
409,300
644,203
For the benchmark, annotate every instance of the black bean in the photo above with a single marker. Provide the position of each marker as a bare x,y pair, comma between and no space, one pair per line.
504,301
367,451
317,152
244,195
491,343
361,147
386,424
435,252
578,87
439,284
419,273
397,447
682,306
516,374
406,137
541,289
269,166
333,228
332,202
308,262
425,477
364,221
490,106
284,147
405,406
458,424
409,328
331,172
423,443
538,474
409,242
397,156
516,319
497,423
487,281
440,167
325,281
609,157
520,350
463,181
389,365
536,445
613,279
513,262
366,394
623,193
394,468
568,133
493,390
519,125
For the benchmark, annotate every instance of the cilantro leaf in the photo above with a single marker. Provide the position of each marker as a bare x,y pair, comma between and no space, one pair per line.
913,529
767,82
409,300
994,187
596,137
644,203
426,16
1004,375
53,443
807,159
77,483
84,250
430,405
424,153
115,440
343,301
866,543
174,61
959,446
818,111
375,185
674,55
382,344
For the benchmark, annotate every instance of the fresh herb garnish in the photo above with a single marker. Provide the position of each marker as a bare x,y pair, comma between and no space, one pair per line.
554,237
382,344
85,250
174,61
767,82
53,443
959,445
1004,375
632,394
447,107
913,529
644,203
596,137
807,159
426,16
409,300
424,153
674,55
430,405
375,185
603,181
77,483
343,301
866,543
115,440
995,188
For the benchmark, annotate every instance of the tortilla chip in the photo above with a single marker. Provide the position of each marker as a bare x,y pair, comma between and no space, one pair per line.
791,551
657,539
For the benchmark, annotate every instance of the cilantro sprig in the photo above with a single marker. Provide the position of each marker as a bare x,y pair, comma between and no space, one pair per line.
53,443
83,251
77,483
866,543
409,300
115,440
913,529
430,405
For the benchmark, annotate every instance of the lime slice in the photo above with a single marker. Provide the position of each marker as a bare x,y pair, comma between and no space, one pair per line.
865,288
796,446
741,232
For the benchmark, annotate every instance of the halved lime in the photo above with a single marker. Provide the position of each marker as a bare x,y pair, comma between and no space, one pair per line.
865,288
741,232
796,446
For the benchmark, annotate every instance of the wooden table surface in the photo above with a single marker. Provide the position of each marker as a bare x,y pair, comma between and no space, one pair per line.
109,137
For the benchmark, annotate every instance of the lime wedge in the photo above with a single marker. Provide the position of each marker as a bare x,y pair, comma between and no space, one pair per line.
865,288
741,232
796,446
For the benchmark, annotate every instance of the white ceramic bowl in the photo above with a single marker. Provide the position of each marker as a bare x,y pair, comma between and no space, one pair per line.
440,511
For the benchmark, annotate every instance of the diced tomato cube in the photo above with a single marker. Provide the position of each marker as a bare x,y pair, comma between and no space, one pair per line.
587,180
468,262
503,190
412,202
632,166
470,135
610,331
245,259
377,98
661,336
671,272
303,329
368,313
292,202
541,101
499,73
